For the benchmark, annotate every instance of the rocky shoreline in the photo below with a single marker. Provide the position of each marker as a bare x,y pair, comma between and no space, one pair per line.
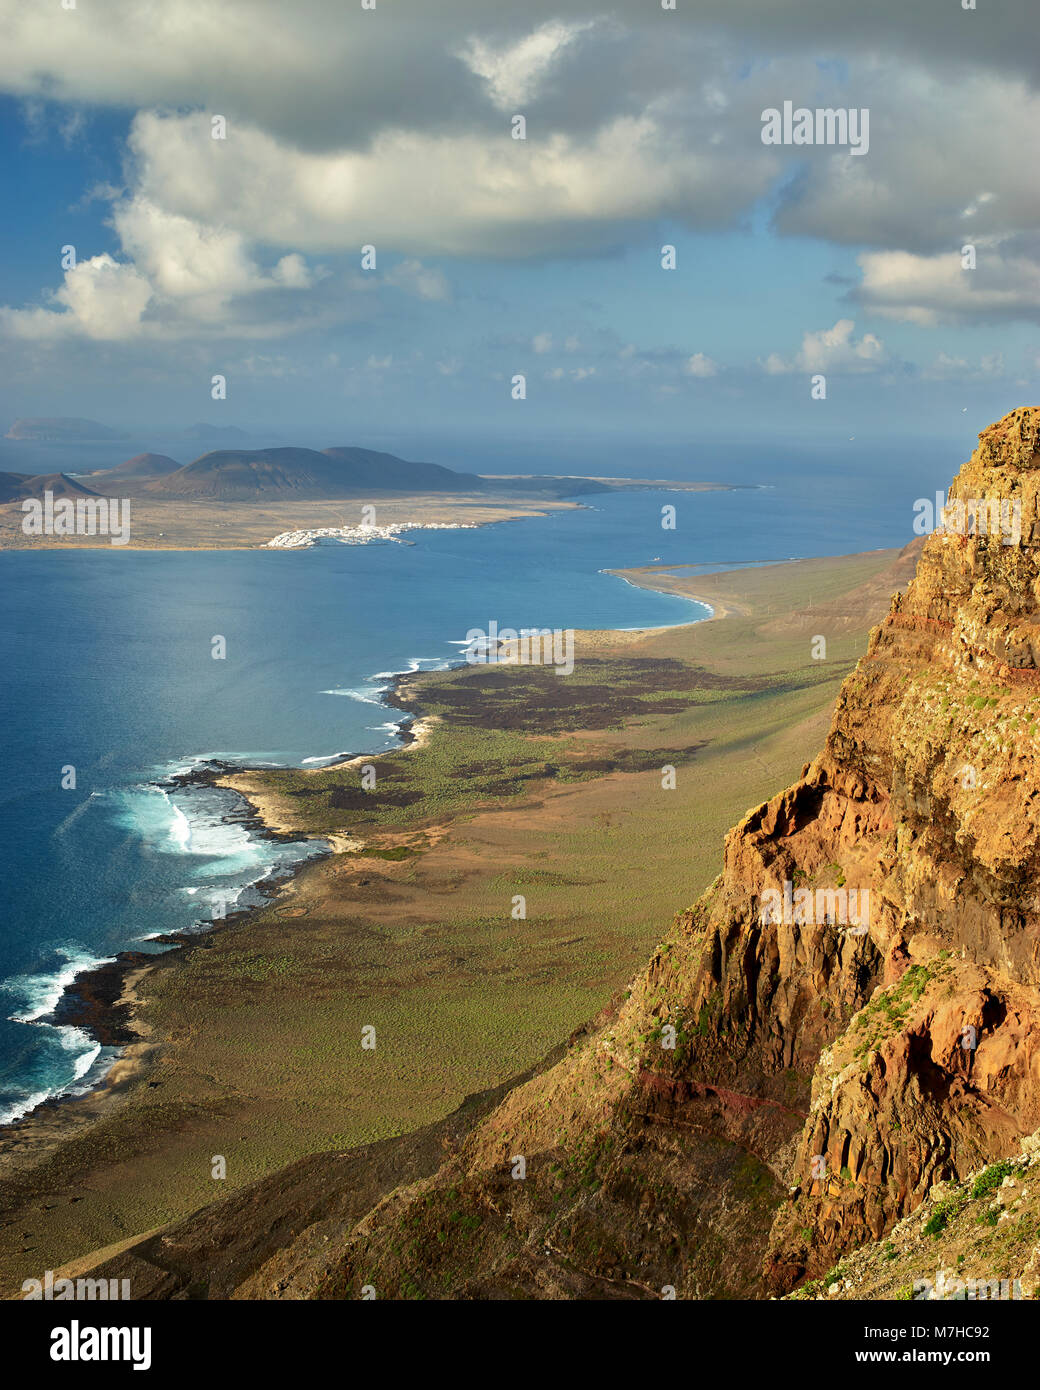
101,1000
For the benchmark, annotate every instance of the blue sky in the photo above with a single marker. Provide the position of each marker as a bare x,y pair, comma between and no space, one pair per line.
495,257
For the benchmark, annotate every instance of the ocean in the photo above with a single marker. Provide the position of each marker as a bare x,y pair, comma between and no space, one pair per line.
111,686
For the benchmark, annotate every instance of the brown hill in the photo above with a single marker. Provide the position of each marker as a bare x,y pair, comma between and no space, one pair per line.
239,475
60,484
369,470
140,466
243,475
12,486
844,613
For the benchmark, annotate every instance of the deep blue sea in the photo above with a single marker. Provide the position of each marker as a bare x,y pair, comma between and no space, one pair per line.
109,671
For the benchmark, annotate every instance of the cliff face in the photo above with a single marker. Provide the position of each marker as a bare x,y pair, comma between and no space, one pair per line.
936,728
850,1015
825,1073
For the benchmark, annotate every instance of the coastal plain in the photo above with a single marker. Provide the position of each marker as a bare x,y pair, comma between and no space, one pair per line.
200,524
519,782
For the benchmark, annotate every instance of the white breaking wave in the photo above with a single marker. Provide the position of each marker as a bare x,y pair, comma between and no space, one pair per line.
89,1064
372,692
365,695
433,663
191,822
180,829
38,994
223,861
22,1107
87,1050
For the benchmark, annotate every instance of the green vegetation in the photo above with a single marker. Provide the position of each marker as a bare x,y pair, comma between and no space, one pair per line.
889,1009
943,1212
992,1177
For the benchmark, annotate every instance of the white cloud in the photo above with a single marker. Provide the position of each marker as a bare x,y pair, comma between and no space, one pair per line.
480,193
314,66
339,134
514,72
542,342
945,163
926,290
101,299
699,365
832,350
293,272
184,278
180,278
184,259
